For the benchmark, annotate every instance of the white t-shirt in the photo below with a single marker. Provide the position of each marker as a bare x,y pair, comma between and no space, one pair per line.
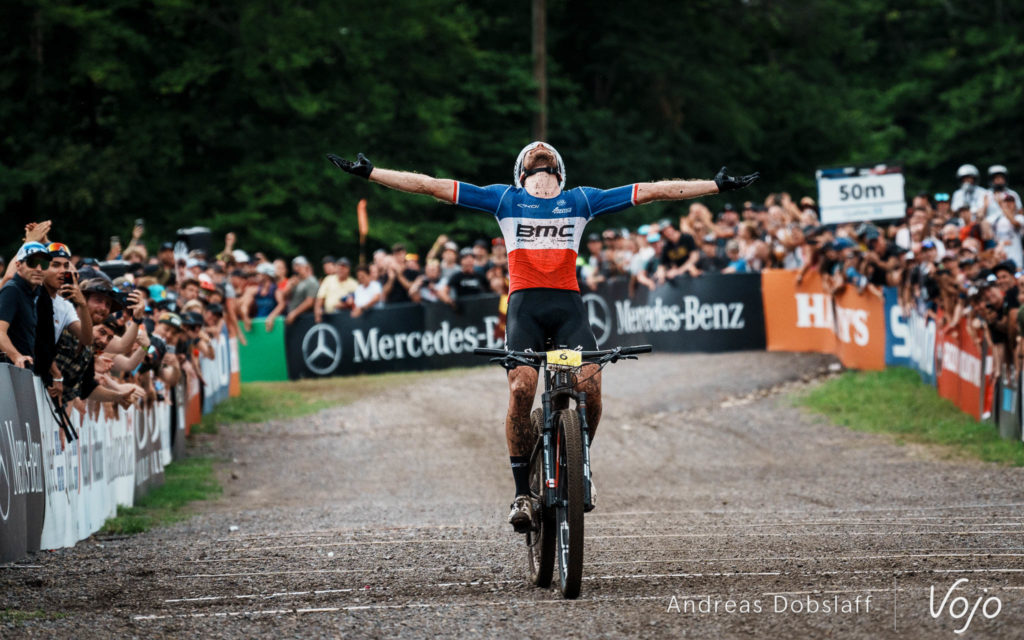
363,295
1009,238
64,315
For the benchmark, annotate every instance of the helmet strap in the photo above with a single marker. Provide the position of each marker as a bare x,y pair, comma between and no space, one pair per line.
529,172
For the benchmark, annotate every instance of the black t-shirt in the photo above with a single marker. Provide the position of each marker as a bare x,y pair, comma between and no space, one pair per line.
467,284
675,254
18,309
398,292
711,263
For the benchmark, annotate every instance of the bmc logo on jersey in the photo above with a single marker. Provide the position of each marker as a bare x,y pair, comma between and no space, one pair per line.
544,231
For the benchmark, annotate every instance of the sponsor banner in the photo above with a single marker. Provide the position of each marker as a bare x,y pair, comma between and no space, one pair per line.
708,314
1007,392
711,313
22,488
898,348
804,317
798,317
401,337
860,329
922,336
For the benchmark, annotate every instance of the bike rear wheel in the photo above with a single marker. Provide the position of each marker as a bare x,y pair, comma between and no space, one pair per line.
540,541
569,508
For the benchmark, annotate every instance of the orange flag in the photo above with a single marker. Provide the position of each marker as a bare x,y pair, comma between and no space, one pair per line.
364,221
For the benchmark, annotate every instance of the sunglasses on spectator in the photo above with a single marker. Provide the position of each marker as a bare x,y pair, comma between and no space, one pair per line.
37,262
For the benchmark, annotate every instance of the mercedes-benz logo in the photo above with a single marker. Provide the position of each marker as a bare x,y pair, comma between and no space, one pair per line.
321,349
599,315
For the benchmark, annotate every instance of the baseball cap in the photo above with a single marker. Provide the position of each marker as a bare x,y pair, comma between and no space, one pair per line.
217,309
465,252
927,244
171,319
593,238
29,249
266,269
344,261
451,245
653,237
942,197
328,259
167,246
102,287
240,256
843,243
192,319
300,261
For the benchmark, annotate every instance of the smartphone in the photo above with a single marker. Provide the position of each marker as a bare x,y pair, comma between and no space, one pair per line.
114,240
67,278
139,222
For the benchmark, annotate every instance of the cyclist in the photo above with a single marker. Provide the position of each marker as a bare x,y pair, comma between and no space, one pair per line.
542,225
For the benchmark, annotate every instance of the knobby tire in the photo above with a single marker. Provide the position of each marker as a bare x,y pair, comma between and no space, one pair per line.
569,511
540,542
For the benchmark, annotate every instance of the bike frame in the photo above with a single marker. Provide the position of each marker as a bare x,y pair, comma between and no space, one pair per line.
558,386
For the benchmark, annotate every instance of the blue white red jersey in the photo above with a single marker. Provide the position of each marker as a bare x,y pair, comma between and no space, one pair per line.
542,235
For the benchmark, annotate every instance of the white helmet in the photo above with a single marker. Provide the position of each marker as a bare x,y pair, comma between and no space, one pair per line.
967,170
997,168
517,172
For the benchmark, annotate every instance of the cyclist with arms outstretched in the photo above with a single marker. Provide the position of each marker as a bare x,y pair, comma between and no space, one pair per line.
542,225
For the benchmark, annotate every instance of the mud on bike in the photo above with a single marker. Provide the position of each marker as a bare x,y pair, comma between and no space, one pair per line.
560,461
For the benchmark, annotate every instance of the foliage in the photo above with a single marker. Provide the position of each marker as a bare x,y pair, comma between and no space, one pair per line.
186,113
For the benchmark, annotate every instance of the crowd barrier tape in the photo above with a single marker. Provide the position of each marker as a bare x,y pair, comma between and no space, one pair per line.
711,313
55,493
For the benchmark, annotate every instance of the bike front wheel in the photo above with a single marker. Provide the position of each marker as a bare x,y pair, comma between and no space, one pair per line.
569,507
540,540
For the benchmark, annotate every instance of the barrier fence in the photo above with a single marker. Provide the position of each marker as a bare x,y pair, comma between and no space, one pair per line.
713,313
53,494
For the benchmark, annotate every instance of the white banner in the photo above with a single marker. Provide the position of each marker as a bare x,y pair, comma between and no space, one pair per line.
856,198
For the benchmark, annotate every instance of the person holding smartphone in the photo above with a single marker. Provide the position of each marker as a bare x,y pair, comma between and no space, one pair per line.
70,312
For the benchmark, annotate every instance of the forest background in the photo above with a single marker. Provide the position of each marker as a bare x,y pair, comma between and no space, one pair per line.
219,114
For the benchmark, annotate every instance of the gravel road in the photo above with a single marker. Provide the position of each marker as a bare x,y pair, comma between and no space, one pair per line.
724,511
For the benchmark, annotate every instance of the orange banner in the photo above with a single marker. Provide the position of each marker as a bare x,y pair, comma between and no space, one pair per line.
804,317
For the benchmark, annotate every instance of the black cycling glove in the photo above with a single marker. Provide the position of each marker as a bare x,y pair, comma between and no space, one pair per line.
726,182
362,167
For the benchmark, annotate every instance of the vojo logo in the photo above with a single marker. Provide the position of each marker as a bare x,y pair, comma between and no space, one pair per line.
321,349
599,315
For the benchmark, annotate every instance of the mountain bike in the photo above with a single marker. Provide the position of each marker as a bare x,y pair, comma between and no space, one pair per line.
560,461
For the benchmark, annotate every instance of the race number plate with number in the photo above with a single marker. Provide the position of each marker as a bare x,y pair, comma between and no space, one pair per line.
564,358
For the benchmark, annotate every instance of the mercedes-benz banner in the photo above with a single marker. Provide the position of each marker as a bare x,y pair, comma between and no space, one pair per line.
710,313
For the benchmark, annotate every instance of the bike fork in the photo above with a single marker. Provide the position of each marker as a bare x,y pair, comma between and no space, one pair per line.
581,408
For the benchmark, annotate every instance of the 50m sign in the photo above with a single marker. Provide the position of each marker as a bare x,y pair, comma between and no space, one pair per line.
854,198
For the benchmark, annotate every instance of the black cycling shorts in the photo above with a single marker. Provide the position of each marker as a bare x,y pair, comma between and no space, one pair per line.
541,319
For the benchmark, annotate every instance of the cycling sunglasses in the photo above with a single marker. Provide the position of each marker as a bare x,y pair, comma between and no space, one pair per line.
58,250
38,261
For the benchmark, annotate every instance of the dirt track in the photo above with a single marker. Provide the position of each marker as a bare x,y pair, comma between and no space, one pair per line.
385,518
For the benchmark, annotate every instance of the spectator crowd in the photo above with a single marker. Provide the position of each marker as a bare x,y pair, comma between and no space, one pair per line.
126,329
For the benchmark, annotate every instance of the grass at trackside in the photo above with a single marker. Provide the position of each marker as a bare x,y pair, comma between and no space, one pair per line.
895,401
185,481
262,401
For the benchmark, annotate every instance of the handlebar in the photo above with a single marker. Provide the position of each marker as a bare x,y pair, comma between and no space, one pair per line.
541,356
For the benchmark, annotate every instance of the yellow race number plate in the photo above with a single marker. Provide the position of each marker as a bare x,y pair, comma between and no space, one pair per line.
565,358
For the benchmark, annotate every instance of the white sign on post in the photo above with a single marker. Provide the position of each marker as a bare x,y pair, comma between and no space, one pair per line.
851,195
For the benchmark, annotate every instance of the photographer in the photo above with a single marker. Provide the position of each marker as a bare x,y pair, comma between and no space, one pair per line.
70,312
